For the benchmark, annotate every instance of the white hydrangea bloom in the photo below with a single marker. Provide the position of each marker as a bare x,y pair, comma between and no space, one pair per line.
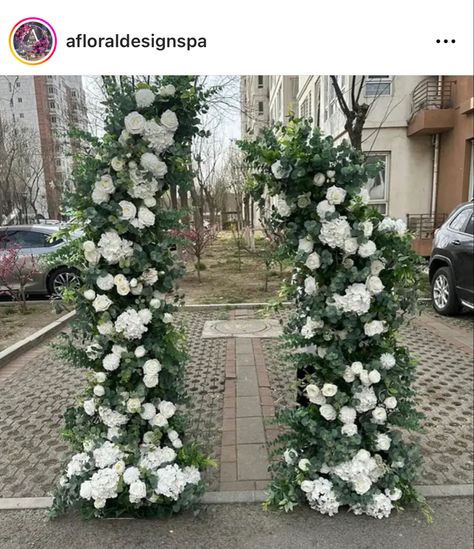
356,299
333,233
144,98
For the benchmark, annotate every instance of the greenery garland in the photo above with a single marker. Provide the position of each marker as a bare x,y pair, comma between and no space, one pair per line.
130,454
354,279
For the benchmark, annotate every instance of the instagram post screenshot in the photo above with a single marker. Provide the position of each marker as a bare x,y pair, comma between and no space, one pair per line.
237,275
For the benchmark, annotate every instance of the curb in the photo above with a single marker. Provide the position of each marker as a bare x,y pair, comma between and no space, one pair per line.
27,343
255,496
217,306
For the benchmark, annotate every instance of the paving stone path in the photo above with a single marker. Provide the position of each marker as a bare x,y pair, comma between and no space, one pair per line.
235,385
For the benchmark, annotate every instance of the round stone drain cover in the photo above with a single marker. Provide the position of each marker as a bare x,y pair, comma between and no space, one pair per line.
241,326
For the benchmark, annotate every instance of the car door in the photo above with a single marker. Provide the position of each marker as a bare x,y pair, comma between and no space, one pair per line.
465,261
463,254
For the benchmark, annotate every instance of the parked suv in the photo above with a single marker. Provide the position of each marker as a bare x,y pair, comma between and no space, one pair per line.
451,269
34,241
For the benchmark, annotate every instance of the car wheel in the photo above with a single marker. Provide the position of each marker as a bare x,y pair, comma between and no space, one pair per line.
61,280
443,293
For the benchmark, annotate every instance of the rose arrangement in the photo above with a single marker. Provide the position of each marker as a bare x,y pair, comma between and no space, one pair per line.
130,454
354,278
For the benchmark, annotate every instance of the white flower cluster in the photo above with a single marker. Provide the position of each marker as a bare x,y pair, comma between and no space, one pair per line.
321,496
355,300
132,324
103,189
111,247
335,232
310,327
361,471
389,225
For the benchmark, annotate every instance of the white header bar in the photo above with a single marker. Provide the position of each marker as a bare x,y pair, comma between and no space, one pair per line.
239,37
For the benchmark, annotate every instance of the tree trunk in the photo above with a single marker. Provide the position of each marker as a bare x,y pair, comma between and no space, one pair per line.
173,196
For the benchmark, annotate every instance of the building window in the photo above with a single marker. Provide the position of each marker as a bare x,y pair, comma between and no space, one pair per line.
22,115
53,120
51,90
306,106
18,84
259,81
20,99
260,108
58,162
378,185
52,104
378,85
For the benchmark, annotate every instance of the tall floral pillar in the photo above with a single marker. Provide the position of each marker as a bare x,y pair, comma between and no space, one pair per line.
127,436
354,278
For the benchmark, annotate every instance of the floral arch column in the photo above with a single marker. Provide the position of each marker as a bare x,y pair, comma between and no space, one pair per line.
130,457
354,278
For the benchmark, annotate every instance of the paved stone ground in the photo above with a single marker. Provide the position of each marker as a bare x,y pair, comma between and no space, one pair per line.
445,389
36,389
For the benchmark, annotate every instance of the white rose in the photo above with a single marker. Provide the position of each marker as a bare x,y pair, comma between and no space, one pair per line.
328,412
367,228
167,318
119,467
347,414
367,249
390,403
88,246
304,464
303,200
111,362
173,435
150,202
331,174
323,208
177,444
305,245
167,408
376,267
137,491
153,164
319,179
313,261
129,210
106,328
347,263
374,285
117,164
122,284
350,246
290,455
374,327
124,137
349,375
89,295
159,421
101,303
282,206
99,390
134,405
144,98
310,285
364,196
169,120
118,350
312,391
374,376
357,368
349,429
167,91
137,290
155,303
131,474
150,381
394,494
105,184
387,360
278,171
379,415
145,217
89,407
335,195
105,282
134,123
148,412
99,196
329,389
362,485
151,367
85,490
364,377
383,442
140,351
92,257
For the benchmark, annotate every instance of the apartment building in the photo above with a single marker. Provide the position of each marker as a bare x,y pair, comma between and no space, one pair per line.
254,104
419,127
48,107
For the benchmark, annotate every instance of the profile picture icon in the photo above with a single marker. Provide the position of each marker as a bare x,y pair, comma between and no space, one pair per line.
33,41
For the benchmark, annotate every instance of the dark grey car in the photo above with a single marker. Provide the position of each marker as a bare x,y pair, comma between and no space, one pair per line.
34,242
451,269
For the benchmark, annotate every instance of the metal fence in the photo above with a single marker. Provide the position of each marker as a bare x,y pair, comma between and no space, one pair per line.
423,226
432,94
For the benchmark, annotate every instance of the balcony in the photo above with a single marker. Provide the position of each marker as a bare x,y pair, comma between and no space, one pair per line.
423,227
432,108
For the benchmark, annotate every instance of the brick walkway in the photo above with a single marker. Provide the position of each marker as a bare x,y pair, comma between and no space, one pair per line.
248,410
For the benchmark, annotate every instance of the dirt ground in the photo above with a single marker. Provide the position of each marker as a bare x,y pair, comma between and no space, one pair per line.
221,280
15,326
